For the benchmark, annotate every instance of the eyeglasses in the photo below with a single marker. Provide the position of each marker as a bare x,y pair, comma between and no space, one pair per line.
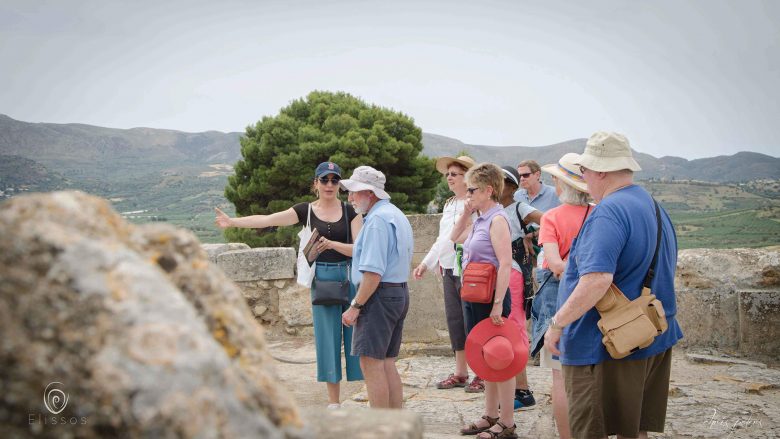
526,175
582,170
471,190
452,174
326,180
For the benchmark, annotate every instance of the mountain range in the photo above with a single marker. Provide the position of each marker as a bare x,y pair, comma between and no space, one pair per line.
85,155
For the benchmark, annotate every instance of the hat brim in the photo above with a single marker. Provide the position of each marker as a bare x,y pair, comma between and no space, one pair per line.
607,164
508,176
357,186
553,169
443,163
484,331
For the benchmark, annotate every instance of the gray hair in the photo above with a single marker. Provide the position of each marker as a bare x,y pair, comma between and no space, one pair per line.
569,195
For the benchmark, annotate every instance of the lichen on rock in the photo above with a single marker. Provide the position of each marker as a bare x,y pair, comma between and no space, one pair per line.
146,337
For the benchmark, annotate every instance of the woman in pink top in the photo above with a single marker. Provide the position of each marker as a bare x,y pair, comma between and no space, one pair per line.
559,227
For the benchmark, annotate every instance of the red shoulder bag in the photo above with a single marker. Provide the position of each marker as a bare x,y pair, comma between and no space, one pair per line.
478,282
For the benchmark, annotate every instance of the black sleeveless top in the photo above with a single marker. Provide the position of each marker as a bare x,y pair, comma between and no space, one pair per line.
335,231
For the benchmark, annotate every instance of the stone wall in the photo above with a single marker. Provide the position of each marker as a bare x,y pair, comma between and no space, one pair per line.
730,299
727,299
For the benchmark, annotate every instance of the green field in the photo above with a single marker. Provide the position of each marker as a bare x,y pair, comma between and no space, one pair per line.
705,215
709,215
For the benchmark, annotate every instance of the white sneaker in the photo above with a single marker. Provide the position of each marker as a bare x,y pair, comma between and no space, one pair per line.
334,406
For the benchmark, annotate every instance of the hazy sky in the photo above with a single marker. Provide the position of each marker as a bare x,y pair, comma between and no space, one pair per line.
685,78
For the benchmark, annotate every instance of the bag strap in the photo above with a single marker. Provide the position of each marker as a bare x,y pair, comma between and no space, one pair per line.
346,219
308,218
349,240
517,212
522,224
584,217
654,263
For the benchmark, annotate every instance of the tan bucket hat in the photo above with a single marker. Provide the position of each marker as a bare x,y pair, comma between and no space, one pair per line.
606,152
442,163
567,170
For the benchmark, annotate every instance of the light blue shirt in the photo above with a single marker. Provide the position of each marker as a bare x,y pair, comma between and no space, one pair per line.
515,226
545,200
384,245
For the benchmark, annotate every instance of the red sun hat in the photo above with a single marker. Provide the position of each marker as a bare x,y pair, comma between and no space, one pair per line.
496,353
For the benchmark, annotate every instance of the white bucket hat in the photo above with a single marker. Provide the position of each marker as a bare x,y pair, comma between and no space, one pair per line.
366,178
567,170
606,152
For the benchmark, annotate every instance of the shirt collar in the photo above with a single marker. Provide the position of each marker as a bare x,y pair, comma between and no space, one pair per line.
485,214
375,206
541,193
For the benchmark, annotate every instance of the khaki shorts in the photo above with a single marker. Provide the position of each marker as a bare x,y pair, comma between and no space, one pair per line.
546,359
618,396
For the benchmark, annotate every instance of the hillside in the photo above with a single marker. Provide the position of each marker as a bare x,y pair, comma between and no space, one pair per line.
165,175
91,153
88,152
25,174
740,167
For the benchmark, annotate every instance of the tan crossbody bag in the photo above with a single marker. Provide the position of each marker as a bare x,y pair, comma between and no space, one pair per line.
630,325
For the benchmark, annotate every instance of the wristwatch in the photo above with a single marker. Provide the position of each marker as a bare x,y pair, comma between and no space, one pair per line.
355,304
555,325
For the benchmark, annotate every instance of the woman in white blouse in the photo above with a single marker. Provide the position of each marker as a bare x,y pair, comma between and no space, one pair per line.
441,256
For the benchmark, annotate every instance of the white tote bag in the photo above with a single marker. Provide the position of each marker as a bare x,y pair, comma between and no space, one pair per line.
305,271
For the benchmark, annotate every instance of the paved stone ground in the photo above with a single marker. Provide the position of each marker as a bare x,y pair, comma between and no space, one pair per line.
707,400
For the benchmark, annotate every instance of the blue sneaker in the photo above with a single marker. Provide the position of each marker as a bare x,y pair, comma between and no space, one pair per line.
524,400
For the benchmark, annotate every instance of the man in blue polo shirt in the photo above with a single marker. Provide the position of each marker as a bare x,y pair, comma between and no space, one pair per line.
538,195
532,191
626,397
381,262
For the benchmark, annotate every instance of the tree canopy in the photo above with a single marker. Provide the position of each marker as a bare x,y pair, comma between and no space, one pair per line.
280,154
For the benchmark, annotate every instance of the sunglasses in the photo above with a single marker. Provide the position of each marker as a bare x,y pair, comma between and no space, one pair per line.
452,174
326,180
471,190
582,170
526,175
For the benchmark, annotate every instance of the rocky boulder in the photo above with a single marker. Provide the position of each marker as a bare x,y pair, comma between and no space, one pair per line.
128,330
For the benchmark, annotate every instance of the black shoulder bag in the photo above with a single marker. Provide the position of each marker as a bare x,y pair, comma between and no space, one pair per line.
330,292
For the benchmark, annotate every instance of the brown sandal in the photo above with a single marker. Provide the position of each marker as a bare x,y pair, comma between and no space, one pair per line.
505,433
473,429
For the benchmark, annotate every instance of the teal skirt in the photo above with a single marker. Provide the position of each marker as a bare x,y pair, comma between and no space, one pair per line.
329,334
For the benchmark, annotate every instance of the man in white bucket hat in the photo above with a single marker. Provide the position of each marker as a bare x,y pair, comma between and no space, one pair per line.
381,262
617,243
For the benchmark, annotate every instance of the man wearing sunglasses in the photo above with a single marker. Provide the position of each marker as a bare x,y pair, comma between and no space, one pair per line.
532,191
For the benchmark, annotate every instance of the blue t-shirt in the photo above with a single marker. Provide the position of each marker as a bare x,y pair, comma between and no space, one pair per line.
619,238
384,245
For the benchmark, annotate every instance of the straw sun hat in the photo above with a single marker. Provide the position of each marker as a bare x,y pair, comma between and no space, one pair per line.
567,171
442,163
